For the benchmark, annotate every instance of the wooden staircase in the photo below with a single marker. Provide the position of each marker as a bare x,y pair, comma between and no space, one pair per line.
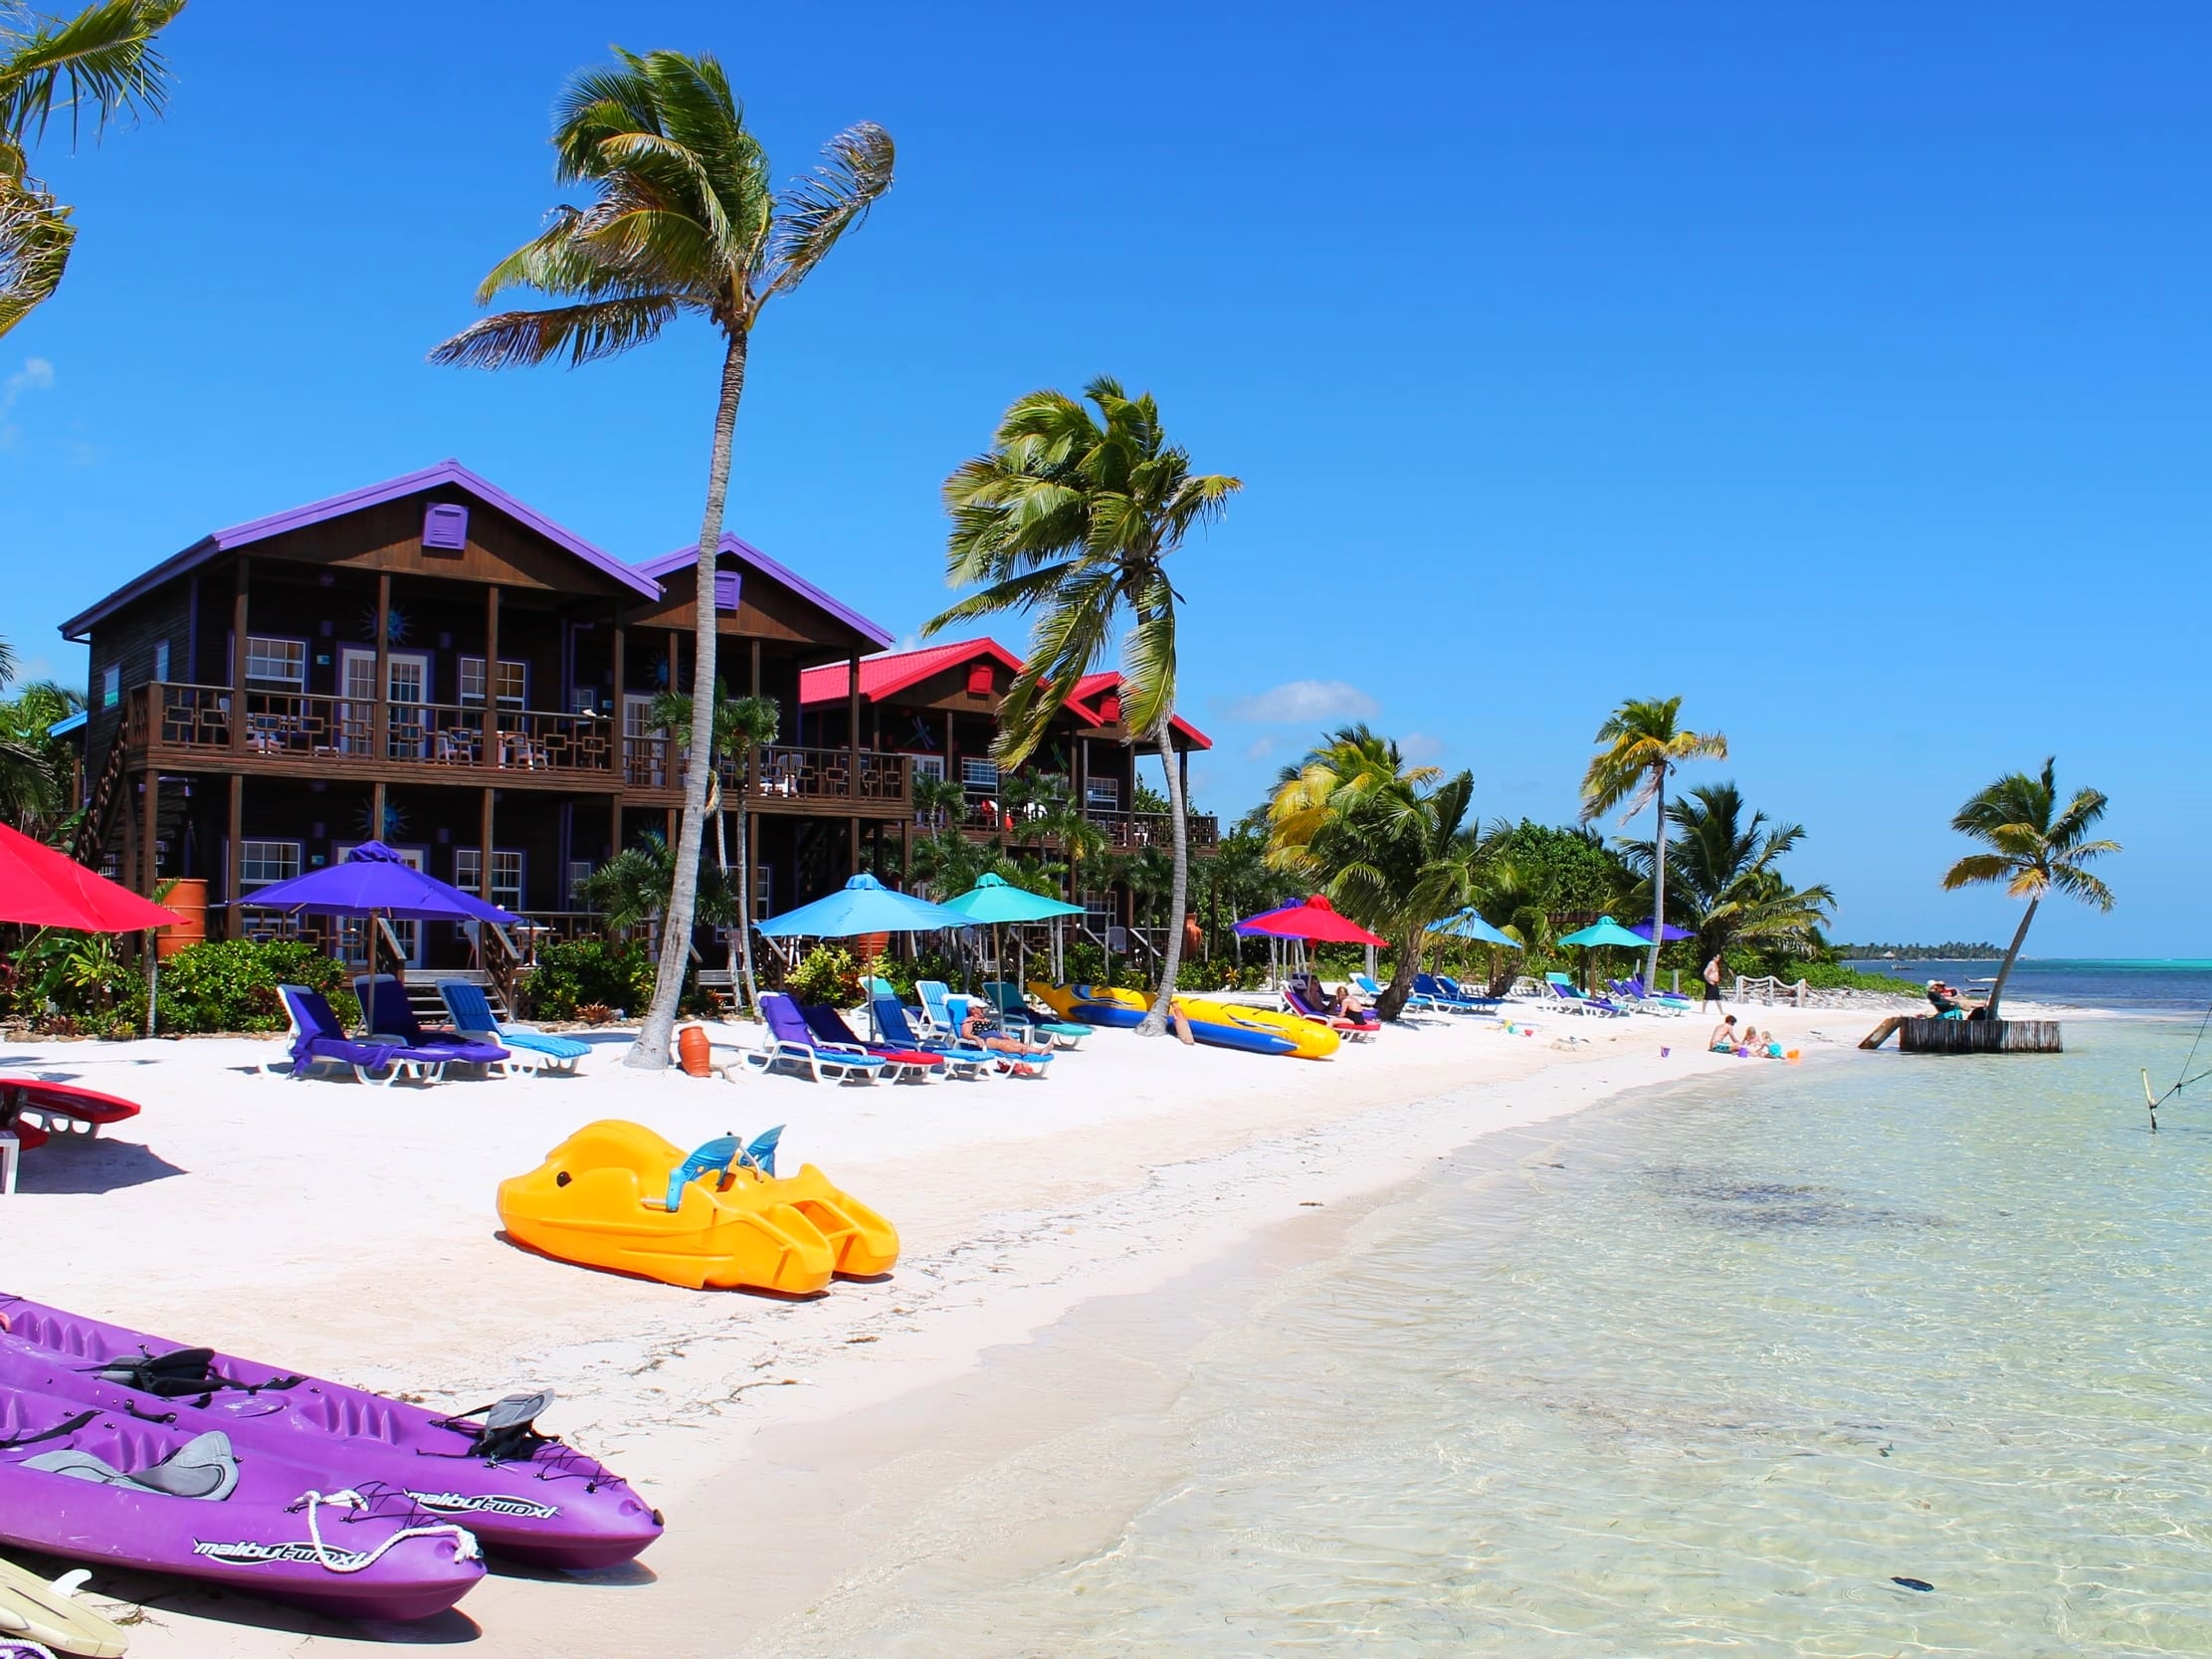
90,839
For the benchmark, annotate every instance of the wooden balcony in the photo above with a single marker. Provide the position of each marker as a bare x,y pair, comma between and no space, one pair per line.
1124,832
295,733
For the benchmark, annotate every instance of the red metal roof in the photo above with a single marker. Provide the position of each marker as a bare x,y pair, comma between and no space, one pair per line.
1091,686
893,672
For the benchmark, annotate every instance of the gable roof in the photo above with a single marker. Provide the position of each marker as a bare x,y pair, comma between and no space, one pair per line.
746,553
893,672
1093,686
448,474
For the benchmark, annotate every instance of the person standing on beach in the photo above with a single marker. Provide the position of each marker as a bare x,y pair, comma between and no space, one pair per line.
1713,982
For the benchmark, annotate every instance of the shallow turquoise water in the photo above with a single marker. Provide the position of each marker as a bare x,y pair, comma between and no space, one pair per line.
1708,1374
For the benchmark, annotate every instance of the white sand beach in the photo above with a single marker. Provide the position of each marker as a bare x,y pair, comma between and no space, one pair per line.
350,1231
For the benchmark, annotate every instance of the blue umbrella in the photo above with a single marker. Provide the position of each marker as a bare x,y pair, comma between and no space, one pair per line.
1469,924
993,898
372,880
864,906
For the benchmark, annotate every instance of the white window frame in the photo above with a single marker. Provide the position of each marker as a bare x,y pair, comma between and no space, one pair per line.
929,766
248,858
981,777
296,652
161,659
1102,794
579,871
467,874
510,670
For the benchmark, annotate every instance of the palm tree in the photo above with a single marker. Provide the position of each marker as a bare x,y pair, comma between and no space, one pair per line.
742,725
683,222
1387,842
1644,743
1072,519
1725,876
2035,846
104,63
632,888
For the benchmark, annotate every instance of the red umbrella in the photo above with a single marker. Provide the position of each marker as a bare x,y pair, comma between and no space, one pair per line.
43,888
1315,919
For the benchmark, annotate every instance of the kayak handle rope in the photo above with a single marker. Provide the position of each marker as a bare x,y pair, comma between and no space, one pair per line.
465,1546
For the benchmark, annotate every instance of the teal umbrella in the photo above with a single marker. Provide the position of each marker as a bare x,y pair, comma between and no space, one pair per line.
863,905
1469,924
995,899
1604,930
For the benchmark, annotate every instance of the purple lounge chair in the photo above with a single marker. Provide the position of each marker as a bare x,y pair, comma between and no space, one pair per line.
793,1045
904,1065
319,1040
386,1011
1295,1001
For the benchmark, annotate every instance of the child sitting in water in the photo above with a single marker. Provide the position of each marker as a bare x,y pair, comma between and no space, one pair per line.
1723,1040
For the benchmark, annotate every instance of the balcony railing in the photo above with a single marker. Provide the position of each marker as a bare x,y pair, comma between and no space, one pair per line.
184,720
1124,831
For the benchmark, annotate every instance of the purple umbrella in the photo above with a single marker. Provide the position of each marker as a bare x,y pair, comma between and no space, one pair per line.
372,880
1642,931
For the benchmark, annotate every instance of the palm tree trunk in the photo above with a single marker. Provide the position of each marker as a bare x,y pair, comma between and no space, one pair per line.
1659,890
2019,938
651,1051
1394,996
744,895
1178,886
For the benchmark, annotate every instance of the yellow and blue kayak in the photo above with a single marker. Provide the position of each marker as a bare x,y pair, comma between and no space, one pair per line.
1218,1024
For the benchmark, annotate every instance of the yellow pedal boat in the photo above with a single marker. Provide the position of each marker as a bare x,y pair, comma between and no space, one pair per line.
600,1201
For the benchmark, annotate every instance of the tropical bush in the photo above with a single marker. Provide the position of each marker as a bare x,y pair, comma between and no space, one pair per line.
573,976
827,975
231,984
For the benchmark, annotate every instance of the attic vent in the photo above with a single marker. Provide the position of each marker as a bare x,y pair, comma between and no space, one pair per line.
725,589
980,680
1110,709
446,528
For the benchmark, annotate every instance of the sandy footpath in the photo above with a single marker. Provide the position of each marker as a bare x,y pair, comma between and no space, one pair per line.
349,1231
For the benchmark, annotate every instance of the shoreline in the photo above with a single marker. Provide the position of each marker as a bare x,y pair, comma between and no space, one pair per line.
1020,1206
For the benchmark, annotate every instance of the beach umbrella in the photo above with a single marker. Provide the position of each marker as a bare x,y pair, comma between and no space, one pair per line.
1604,930
1668,934
42,888
1315,919
372,881
863,905
994,900
1469,924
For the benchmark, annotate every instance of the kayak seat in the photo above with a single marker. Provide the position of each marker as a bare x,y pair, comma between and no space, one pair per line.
204,1467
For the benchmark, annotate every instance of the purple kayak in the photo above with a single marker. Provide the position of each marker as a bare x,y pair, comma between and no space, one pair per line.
112,1486
525,1497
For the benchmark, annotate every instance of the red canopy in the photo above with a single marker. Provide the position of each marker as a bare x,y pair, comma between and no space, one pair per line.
1316,920
44,889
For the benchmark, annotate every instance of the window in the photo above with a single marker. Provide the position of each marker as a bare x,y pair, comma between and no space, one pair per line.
283,660
111,685
506,875
929,766
262,862
513,682
161,660
579,872
1103,795
979,774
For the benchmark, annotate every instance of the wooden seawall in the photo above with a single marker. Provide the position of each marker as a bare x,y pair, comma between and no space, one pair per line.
1939,1036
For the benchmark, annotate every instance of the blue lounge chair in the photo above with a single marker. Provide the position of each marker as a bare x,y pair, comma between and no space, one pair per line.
934,1012
1364,984
319,1040
901,1065
473,1020
1481,1001
1440,992
792,1046
389,1016
1014,1010
1564,990
961,1059
1021,1062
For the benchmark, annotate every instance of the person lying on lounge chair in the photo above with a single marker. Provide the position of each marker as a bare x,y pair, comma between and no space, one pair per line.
980,1025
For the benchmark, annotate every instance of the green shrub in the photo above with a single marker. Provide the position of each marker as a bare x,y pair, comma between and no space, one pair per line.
231,984
827,975
578,973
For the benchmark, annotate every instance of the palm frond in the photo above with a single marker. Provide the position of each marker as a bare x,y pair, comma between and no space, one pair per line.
104,58
35,241
584,334
815,211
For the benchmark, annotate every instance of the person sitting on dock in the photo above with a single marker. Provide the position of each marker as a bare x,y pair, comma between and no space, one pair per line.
1723,1040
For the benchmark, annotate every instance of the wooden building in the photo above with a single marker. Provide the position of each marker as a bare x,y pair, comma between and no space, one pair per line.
430,662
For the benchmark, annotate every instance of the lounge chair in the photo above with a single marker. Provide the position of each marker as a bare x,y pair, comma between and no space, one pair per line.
473,1020
902,1065
1564,990
934,1013
1631,993
1294,1002
389,1017
1441,992
961,1059
792,1046
1014,1010
1022,1061
319,1040
1417,999
1477,999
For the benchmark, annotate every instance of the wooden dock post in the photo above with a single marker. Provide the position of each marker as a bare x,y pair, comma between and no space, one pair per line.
1940,1036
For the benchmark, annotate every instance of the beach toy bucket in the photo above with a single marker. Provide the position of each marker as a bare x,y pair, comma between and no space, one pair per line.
692,1051
1664,1050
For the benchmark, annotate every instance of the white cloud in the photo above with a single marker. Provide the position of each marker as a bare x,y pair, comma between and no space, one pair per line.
1259,748
1307,699
35,375
1419,745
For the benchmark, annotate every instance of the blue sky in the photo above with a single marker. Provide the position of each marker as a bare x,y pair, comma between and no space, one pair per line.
1844,372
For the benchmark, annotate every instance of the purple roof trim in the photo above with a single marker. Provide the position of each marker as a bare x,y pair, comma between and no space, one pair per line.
451,473
682,559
